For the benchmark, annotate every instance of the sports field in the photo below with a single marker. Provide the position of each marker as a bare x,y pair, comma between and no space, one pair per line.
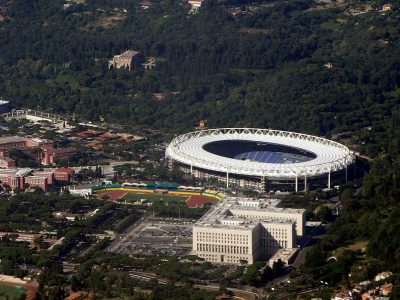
133,197
195,201
11,292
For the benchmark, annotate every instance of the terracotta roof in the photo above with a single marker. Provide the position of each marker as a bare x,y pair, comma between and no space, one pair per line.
51,150
65,170
11,139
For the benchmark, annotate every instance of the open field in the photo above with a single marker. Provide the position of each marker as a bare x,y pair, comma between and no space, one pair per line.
112,195
105,22
360,245
11,292
133,197
199,201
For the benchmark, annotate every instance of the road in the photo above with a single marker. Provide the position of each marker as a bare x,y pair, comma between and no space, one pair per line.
306,245
125,237
146,276
302,292
249,294
108,170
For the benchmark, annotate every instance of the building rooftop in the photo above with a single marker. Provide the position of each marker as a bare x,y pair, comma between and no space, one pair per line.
128,54
39,140
51,150
7,159
15,172
229,213
11,139
65,170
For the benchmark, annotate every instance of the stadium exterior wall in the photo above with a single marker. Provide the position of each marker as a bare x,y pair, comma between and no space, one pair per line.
330,166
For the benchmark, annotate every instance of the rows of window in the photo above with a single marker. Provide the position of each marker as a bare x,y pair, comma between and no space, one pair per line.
216,237
222,248
223,258
209,257
275,233
269,243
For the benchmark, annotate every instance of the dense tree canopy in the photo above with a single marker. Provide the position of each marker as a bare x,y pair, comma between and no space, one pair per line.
293,65
263,67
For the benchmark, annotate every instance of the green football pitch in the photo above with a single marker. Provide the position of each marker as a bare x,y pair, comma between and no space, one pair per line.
132,197
11,292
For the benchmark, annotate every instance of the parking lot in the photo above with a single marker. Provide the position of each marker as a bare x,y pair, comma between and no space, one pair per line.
157,237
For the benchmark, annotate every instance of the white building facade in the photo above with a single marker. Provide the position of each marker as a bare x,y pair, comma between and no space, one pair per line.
244,230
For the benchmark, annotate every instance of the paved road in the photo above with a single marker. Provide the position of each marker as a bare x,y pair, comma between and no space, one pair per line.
250,294
146,276
302,292
124,238
307,244
108,170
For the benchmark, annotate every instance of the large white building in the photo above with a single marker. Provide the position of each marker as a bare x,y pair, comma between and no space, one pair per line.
244,230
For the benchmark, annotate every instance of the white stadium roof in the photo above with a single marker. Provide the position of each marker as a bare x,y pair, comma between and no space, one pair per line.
330,156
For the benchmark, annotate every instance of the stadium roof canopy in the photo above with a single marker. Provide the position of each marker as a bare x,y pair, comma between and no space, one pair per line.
330,156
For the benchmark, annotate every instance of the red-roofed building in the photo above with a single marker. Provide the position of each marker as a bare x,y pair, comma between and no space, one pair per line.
107,137
4,153
63,174
48,174
88,133
52,155
6,162
40,181
19,177
95,145
37,143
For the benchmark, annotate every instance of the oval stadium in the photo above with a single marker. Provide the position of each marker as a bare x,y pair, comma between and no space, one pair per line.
261,159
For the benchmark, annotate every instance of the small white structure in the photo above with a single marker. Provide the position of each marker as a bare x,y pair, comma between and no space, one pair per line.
284,255
150,64
124,60
387,7
342,296
80,192
195,4
383,276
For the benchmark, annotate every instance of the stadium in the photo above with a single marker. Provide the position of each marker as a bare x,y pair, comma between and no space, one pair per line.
261,159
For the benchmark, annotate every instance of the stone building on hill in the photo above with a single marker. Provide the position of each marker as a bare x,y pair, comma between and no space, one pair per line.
125,60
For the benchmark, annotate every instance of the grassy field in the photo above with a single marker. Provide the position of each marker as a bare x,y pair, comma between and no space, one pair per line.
10,292
132,197
358,245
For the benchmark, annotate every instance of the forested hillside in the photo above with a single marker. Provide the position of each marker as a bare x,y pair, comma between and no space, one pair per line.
295,65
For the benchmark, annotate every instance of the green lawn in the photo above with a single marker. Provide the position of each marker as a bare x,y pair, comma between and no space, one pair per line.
11,292
65,79
331,25
132,197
